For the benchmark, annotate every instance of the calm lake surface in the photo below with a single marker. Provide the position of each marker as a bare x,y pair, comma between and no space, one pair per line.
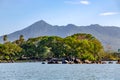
38,71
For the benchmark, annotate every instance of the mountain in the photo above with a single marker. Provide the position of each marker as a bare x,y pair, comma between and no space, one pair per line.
108,35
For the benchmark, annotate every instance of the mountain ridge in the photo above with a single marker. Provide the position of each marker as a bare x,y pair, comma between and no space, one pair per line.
108,35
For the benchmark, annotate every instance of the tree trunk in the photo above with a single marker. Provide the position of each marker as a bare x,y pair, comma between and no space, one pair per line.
12,61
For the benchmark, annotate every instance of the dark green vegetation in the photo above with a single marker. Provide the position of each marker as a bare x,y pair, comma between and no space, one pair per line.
81,46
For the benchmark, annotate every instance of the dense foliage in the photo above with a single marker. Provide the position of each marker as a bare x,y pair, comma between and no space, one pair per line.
82,46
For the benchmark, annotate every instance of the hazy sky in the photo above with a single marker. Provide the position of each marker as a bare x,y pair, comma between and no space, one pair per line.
18,14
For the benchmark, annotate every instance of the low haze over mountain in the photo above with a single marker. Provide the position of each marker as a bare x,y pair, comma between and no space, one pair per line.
108,35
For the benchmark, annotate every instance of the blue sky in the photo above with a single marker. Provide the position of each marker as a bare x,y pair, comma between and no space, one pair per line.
18,14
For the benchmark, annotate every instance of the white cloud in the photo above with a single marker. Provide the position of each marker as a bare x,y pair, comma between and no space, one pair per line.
109,13
85,2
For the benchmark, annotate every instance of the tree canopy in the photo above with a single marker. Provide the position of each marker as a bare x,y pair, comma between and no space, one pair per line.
83,46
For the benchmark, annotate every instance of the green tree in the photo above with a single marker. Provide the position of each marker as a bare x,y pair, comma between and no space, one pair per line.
10,51
20,41
54,43
29,50
5,38
84,44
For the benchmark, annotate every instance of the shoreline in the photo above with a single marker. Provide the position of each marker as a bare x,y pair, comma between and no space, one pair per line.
59,62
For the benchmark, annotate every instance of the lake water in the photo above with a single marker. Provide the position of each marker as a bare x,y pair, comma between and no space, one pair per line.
38,71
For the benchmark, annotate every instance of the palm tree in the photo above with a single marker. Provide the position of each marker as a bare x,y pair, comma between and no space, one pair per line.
5,38
21,39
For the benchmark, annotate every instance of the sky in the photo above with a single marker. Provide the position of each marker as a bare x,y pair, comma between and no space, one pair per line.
18,14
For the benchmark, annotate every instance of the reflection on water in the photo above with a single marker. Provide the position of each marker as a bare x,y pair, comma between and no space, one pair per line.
38,71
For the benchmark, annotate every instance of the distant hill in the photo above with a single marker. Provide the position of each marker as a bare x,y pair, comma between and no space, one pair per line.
108,35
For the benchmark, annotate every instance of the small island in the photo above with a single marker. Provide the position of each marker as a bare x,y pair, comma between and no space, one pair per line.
79,48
